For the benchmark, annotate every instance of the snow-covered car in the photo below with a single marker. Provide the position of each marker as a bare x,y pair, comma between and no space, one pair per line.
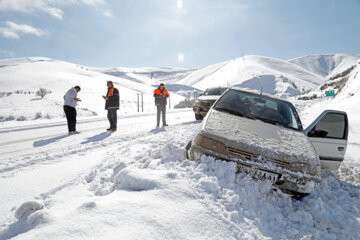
205,101
264,136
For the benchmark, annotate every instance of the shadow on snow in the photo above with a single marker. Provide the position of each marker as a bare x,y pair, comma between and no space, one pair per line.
98,137
44,142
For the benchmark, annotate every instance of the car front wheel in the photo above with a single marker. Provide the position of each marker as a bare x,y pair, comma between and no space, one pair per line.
198,117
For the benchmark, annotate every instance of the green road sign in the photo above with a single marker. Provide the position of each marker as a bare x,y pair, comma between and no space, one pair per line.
330,93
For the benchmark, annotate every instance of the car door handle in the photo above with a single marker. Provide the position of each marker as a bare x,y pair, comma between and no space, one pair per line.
340,149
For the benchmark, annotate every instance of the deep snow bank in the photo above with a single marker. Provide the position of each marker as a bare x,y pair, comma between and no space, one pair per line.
148,191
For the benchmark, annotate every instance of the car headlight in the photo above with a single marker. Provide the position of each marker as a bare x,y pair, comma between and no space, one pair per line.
197,102
211,144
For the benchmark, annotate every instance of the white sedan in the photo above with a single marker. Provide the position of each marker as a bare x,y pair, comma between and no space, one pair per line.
264,136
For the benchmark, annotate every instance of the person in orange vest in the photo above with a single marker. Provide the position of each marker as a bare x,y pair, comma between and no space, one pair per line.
112,105
161,95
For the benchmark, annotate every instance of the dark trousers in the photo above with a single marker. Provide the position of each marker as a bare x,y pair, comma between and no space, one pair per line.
161,109
112,116
70,113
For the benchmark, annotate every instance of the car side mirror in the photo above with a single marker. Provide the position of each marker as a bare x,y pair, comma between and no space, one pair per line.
317,133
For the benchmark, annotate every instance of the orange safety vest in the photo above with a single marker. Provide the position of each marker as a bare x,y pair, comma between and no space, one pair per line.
111,92
157,91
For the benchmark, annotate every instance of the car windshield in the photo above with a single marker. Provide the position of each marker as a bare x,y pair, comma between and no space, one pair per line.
214,91
263,108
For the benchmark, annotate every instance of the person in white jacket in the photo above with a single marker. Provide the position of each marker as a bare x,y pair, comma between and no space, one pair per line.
70,102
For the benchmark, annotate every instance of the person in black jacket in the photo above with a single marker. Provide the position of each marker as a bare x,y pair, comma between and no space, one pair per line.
70,102
112,105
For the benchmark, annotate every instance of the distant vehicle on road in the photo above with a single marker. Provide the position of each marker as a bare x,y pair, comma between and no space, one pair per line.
264,136
206,100
305,98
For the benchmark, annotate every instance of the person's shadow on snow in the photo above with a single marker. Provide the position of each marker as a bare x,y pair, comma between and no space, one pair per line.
157,130
98,137
44,142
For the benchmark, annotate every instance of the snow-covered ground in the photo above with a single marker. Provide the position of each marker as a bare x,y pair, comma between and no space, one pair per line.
136,183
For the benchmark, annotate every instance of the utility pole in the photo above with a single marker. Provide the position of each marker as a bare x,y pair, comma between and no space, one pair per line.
138,107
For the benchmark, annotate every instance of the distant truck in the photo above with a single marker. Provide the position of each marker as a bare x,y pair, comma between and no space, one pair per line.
305,98
206,100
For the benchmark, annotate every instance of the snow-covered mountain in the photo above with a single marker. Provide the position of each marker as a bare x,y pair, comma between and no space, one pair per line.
154,76
279,77
325,65
346,83
273,76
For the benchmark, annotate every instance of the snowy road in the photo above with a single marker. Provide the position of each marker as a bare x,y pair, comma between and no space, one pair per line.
16,142
135,184
39,154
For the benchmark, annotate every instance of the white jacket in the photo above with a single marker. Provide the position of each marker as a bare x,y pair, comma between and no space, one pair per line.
69,97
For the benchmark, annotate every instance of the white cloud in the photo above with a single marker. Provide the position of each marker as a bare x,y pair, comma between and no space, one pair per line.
14,30
29,6
50,7
96,3
106,13
93,2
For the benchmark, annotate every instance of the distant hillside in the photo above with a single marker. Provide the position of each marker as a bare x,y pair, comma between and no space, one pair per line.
20,76
273,76
325,65
346,84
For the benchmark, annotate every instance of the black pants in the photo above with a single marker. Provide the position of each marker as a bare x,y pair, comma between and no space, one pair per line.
161,109
112,116
70,113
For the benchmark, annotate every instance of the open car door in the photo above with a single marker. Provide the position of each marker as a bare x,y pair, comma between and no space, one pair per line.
328,134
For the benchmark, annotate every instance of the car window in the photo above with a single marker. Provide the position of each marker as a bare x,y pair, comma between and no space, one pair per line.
255,106
332,125
214,91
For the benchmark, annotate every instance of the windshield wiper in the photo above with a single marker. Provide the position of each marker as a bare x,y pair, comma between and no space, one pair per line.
275,123
268,121
233,112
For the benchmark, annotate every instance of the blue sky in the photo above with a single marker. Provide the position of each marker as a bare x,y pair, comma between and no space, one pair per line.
175,33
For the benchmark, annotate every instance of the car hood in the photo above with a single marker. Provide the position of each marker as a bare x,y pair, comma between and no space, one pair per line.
209,98
260,138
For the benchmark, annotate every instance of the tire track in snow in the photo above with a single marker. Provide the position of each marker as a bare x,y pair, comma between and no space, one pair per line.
34,127
57,153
